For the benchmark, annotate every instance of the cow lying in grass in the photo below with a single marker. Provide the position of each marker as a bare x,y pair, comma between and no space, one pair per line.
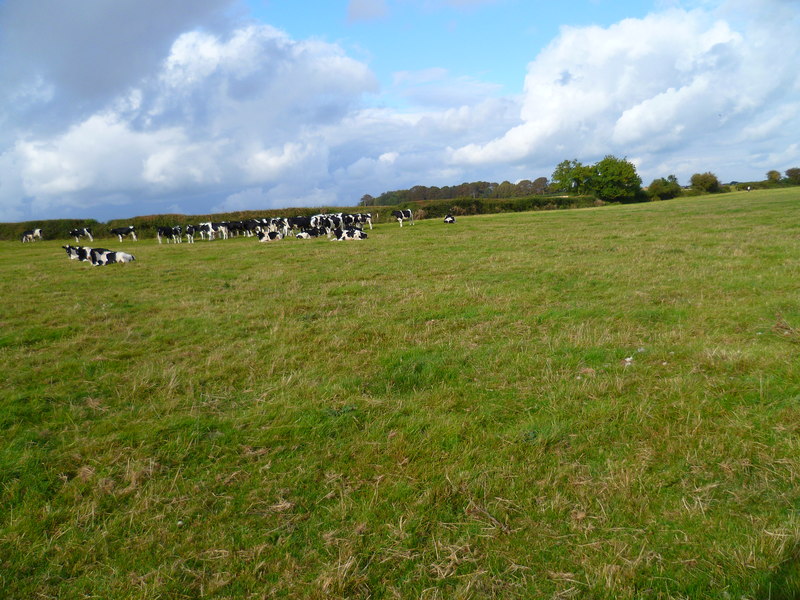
77,252
97,256
341,235
311,232
269,236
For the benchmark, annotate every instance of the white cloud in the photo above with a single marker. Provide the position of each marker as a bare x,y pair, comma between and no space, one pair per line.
669,82
291,159
67,59
221,112
770,124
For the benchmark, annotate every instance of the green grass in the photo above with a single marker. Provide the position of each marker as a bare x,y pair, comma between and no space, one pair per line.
436,412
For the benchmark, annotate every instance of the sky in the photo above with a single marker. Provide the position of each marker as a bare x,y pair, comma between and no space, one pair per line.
118,109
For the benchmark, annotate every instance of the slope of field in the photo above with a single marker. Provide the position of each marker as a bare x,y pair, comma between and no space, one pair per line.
599,403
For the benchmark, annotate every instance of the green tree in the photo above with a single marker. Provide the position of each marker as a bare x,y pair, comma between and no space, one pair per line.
615,180
793,175
664,189
572,177
505,190
705,182
773,176
524,187
540,185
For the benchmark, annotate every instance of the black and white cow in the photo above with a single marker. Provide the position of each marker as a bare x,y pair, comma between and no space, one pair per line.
123,231
341,235
449,219
84,253
190,231
403,215
355,219
97,256
30,235
101,256
170,233
73,252
119,257
81,232
251,226
311,232
213,230
269,236
279,224
236,228
364,219
328,222
301,223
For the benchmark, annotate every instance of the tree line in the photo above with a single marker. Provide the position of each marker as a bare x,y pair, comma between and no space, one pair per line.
475,189
611,179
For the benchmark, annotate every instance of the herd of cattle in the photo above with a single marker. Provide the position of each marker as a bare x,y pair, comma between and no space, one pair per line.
339,226
336,227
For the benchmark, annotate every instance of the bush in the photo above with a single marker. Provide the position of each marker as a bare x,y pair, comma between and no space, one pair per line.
705,182
664,189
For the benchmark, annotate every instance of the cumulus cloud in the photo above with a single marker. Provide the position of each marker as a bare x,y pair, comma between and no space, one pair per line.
672,81
63,60
219,111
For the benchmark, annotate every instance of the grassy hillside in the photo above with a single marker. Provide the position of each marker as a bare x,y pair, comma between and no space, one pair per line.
600,403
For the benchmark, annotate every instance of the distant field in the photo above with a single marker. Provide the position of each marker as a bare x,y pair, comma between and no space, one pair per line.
597,403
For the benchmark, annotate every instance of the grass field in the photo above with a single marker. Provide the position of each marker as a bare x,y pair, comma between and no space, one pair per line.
598,403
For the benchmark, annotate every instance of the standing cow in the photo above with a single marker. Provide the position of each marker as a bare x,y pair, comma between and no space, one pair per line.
81,232
190,229
123,231
30,235
170,233
403,215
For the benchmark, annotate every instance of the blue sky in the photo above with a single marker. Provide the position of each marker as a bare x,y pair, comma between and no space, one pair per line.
111,110
487,42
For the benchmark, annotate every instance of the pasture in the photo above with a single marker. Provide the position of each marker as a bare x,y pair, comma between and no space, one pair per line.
597,403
